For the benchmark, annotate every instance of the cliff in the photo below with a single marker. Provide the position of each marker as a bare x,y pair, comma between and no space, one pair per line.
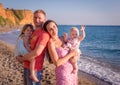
14,17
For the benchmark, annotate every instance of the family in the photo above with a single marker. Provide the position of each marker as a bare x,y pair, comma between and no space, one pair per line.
63,51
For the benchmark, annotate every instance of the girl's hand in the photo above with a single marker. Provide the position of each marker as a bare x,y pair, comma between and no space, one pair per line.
65,35
82,28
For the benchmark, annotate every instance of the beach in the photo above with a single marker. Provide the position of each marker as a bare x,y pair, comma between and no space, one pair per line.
91,70
11,72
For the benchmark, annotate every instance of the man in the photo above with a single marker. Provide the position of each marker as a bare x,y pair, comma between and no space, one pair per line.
38,45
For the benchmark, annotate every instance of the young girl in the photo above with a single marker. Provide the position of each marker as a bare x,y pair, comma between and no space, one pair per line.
73,43
23,47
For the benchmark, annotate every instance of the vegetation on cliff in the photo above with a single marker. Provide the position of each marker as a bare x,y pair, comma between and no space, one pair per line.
14,17
5,21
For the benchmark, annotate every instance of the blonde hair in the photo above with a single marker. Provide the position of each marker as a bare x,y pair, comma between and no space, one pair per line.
40,11
74,29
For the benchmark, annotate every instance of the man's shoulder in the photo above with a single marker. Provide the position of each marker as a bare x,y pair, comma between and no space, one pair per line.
44,33
41,32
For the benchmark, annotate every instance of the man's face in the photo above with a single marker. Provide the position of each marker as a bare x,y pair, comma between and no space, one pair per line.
39,19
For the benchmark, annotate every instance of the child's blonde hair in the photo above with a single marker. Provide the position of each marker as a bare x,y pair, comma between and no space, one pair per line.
74,29
25,27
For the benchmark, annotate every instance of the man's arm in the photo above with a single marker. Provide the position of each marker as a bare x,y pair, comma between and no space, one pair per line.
41,44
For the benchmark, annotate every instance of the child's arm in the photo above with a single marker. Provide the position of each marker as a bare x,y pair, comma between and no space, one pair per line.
65,36
83,33
26,43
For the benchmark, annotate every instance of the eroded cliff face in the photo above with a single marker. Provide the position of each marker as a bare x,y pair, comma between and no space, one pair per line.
14,17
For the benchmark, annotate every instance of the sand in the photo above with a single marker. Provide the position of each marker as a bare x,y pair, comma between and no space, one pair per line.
11,72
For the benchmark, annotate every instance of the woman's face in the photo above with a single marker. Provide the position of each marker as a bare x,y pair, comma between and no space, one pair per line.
52,29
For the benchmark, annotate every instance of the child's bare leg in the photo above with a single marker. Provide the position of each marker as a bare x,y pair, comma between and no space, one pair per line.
75,67
32,71
73,61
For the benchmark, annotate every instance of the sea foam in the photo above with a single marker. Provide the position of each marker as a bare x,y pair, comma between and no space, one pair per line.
91,66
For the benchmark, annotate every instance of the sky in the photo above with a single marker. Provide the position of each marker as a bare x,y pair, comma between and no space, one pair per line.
73,12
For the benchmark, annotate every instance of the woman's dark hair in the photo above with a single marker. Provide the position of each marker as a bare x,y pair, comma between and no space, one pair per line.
45,28
46,23
48,56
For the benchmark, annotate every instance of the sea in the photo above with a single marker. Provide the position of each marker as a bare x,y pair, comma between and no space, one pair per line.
100,50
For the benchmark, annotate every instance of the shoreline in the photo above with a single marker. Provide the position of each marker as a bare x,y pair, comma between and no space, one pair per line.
10,66
99,71
92,78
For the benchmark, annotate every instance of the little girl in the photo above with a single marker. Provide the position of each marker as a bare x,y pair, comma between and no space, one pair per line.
73,43
23,47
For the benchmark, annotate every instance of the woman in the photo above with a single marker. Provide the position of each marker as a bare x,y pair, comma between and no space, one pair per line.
60,56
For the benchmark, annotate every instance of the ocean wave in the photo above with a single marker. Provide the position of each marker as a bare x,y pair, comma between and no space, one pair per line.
9,32
106,47
102,71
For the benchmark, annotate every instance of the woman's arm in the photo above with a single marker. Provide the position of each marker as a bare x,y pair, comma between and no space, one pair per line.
54,56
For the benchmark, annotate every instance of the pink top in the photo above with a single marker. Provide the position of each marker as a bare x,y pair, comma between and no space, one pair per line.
73,43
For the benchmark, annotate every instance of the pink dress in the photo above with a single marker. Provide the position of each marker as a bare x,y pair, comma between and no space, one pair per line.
64,75
73,44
